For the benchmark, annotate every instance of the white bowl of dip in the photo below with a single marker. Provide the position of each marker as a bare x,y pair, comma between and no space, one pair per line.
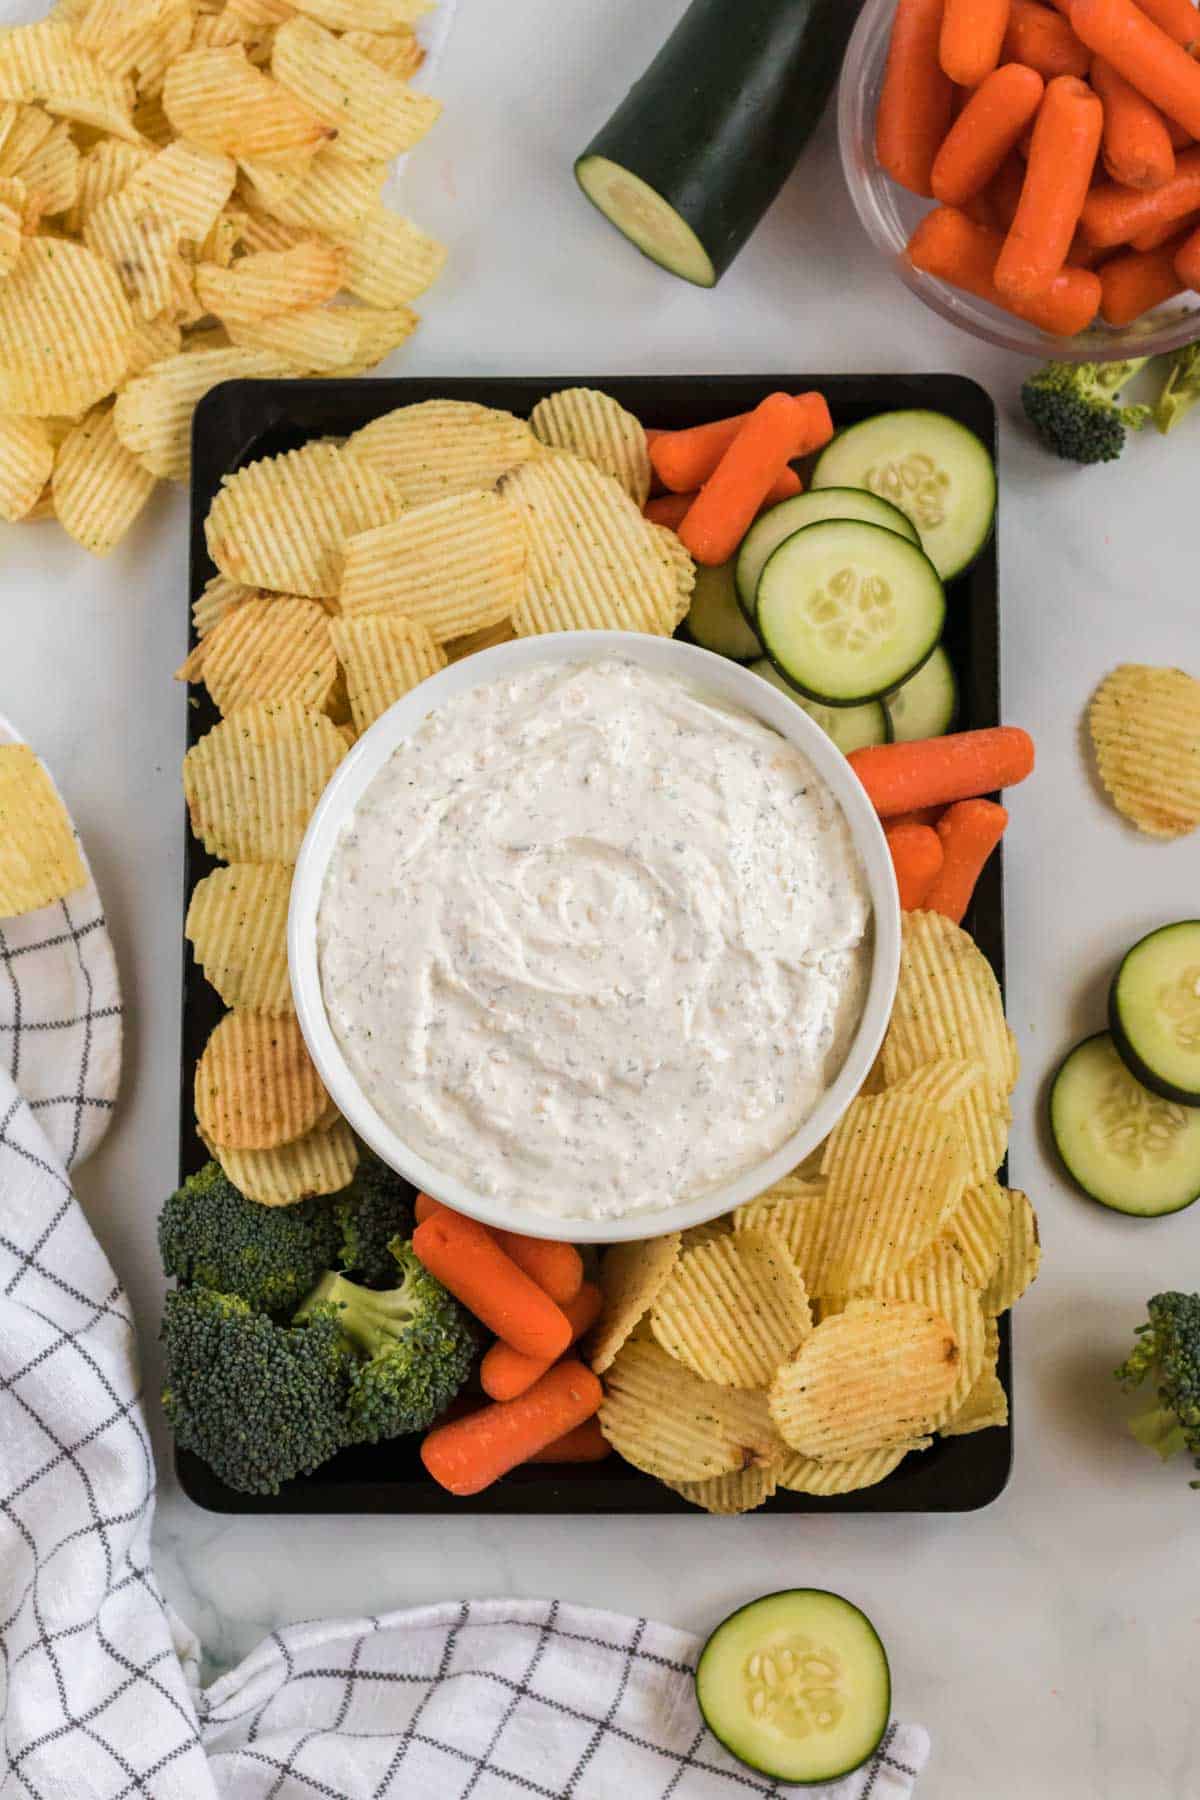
337,814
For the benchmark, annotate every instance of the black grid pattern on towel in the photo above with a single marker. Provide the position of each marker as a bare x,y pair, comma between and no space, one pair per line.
28,1030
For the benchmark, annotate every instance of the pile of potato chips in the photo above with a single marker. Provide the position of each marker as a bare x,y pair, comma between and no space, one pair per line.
190,191
832,1325
1145,725
39,857
348,574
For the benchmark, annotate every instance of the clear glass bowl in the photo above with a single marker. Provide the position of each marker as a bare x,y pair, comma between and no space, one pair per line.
888,214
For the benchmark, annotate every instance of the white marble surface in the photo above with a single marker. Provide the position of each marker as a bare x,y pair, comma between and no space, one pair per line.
1050,1642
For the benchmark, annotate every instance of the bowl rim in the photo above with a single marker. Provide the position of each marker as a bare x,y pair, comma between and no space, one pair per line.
663,655
874,197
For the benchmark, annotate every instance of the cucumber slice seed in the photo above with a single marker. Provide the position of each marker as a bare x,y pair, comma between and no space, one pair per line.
771,528
796,1685
848,611
927,704
645,218
933,468
849,727
715,620
1154,1011
1123,1146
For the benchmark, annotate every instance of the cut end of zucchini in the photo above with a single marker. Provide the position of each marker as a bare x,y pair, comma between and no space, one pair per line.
645,218
1125,1147
796,1686
1154,1011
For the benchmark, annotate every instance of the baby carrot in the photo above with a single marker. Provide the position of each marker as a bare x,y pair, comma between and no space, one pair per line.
1116,215
504,1372
669,509
468,1454
985,131
586,1444
1142,52
684,460
465,1258
1155,236
1137,281
1187,261
1136,145
557,1268
936,771
948,245
916,101
724,508
1178,18
916,857
970,39
1044,41
920,815
1066,139
424,1207
969,832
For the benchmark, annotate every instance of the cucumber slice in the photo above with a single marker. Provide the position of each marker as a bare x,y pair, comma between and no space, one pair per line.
1129,1149
930,466
796,1685
714,619
768,531
848,611
926,705
850,727
1154,1012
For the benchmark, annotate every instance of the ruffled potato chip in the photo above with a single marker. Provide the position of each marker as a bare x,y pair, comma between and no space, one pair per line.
455,566
99,488
217,99
667,1422
153,413
965,1088
383,658
39,858
683,569
272,648
189,181
237,925
389,260
947,1003
592,562
1020,1256
283,522
979,1229
364,15
733,1309
937,1278
1145,726
987,1403
269,282
141,241
400,54
322,340
321,1162
803,1475
594,426
256,1086
103,171
215,600
741,1491
335,193
500,633
251,783
631,1276
26,459
442,447
65,327
871,1377
373,114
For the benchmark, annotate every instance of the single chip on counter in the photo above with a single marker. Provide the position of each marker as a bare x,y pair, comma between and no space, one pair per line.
39,857
1145,726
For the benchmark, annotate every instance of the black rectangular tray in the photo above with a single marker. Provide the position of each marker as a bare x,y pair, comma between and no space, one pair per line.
243,420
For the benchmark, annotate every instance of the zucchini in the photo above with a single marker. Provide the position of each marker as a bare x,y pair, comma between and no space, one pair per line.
700,146
778,522
796,1685
926,705
848,611
1154,1012
1129,1149
930,466
850,727
714,618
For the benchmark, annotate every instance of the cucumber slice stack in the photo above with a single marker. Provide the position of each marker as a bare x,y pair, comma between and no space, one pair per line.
796,1685
1125,1105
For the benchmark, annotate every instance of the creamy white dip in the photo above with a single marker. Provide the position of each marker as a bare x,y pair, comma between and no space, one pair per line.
594,940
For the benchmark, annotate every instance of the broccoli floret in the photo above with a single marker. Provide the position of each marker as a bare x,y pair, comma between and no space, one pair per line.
373,1210
211,1235
1181,390
258,1401
1075,410
413,1346
1169,1349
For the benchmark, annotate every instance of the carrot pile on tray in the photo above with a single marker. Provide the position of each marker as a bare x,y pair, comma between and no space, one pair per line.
1060,143
531,1293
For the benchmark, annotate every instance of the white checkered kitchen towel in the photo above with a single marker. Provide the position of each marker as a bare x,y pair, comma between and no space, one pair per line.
99,1698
